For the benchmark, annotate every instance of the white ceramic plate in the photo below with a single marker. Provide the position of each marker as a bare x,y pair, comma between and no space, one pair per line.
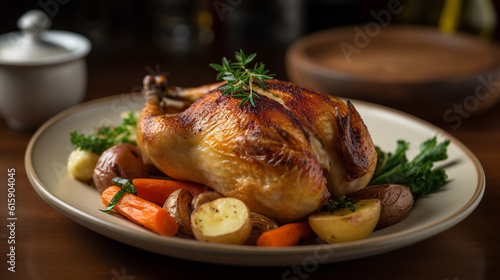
46,168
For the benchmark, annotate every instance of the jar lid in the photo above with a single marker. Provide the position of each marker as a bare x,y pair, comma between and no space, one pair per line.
35,45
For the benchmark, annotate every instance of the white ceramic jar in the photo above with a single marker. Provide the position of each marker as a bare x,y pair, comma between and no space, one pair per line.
42,72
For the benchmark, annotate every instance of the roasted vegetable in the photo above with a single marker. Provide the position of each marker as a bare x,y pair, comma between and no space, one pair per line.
181,202
158,190
286,235
344,225
141,211
122,160
396,202
81,164
260,224
83,159
178,205
224,220
204,197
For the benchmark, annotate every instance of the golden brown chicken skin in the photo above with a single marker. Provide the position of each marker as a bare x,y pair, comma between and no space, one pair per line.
281,157
344,145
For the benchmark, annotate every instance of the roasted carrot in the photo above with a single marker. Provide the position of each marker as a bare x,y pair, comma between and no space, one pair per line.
157,190
286,235
142,212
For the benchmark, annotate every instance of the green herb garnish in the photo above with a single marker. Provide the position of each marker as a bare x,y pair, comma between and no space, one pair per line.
240,79
394,168
107,136
126,186
340,203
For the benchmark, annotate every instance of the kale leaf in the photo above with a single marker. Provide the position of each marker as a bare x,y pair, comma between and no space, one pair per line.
418,174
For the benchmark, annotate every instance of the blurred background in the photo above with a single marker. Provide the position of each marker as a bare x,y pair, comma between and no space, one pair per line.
131,38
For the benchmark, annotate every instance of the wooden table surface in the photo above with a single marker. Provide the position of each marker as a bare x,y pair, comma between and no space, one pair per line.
51,246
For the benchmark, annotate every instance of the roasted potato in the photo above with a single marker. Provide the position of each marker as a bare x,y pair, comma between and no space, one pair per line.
344,225
224,220
122,160
396,201
204,197
260,224
178,205
81,164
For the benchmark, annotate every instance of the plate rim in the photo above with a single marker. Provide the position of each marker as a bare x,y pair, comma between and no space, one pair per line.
111,230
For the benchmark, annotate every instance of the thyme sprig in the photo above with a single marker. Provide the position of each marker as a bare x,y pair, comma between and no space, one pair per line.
240,78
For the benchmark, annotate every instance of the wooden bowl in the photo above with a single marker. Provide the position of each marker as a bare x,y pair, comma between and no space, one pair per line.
415,69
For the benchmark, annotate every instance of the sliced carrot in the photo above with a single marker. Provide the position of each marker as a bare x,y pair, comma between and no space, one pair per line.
157,190
286,235
142,212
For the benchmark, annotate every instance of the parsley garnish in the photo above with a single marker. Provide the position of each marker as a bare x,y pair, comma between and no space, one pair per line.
341,203
107,136
240,79
394,168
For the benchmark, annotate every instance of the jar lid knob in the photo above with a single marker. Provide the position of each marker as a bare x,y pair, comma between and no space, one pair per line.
33,22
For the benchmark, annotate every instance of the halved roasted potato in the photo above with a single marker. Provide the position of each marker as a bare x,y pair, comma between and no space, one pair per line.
344,225
178,205
224,220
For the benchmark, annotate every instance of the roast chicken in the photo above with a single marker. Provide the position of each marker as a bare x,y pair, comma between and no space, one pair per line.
284,157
